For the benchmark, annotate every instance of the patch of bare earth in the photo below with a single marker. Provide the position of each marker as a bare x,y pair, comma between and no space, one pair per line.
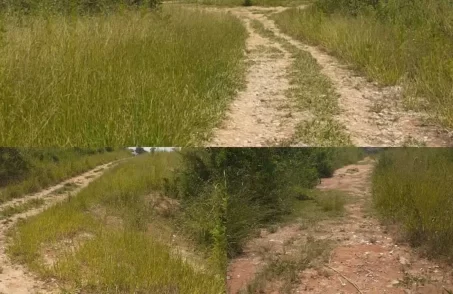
261,115
372,115
364,257
15,278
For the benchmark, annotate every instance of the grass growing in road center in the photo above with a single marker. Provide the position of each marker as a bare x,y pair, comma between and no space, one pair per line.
395,42
128,78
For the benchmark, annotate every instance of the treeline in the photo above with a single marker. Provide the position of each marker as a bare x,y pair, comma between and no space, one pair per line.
412,187
72,6
227,193
27,170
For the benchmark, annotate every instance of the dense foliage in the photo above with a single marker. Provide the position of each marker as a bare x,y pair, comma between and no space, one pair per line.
258,186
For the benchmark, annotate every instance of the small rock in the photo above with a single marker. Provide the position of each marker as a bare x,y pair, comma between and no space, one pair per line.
404,261
395,282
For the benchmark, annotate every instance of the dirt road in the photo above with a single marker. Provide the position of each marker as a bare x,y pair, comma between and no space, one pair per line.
16,278
364,257
263,115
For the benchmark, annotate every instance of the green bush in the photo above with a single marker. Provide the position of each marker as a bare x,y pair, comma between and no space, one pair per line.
13,165
259,186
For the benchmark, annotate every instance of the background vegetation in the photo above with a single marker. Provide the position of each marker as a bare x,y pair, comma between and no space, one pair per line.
392,41
247,2
24,171
260,185
117,246
120,77
71,6
412,187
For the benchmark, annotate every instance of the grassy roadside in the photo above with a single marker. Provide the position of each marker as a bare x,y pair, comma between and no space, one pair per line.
42,168
129,77
412,188
395,43
314,92
115,246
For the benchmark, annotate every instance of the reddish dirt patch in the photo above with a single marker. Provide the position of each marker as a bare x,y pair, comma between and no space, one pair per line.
364,258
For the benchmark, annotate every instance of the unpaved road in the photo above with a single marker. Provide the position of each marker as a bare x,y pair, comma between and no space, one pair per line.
262,115
363,252
16,278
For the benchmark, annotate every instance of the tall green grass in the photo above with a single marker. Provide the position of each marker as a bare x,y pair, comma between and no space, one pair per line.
124,257
116,79
51,166
412,187
394,42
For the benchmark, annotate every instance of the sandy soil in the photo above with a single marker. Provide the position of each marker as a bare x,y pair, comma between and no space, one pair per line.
15,278
261,115
366,258
373,116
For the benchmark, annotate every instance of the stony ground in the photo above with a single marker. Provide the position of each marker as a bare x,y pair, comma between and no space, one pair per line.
364,256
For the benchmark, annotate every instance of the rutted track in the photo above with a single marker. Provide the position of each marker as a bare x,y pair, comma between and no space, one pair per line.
16,278
262,114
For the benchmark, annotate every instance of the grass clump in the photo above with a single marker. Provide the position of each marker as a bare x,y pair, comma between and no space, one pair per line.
412,187
132,77
26,171
392,41
311,91
286,268
126,256
330,201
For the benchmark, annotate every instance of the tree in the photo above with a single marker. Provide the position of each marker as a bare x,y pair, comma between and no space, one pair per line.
140,150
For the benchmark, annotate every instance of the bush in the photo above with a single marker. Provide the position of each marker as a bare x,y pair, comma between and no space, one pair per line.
13,165
258,185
